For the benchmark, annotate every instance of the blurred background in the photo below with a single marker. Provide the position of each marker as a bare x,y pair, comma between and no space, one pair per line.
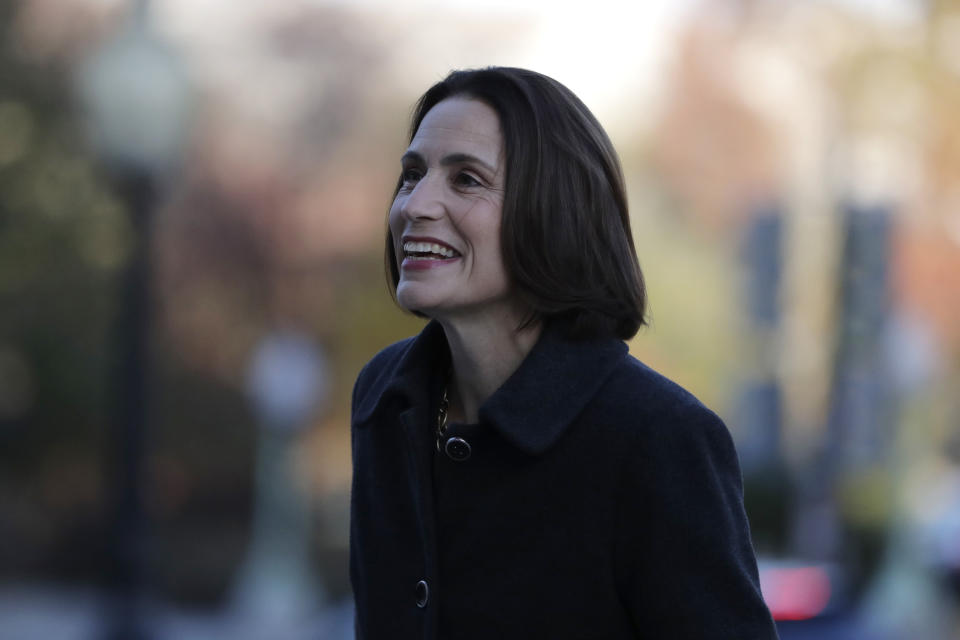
192,204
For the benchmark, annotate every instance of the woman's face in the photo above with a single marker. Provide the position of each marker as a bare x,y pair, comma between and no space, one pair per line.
445,220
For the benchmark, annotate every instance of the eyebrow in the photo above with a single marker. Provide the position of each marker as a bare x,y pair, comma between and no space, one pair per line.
450,159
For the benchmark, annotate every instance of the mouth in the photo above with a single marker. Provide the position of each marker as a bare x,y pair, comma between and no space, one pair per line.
417,250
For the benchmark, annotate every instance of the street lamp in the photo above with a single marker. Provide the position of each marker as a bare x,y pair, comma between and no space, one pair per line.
288,382
136,98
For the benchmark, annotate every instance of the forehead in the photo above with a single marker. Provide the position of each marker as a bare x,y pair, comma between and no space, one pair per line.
460,125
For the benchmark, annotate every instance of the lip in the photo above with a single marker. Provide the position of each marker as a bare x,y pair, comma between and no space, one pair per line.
419,265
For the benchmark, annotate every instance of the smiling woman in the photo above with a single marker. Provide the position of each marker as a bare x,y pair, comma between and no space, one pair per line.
445,218
516,473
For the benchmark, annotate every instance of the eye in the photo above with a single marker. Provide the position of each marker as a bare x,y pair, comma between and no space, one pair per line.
410,176
464,179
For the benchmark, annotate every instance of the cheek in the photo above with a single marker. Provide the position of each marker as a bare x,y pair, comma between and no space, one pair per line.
493,254
395,224
394,219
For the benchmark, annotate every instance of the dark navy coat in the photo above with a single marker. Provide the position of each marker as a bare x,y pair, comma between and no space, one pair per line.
599,500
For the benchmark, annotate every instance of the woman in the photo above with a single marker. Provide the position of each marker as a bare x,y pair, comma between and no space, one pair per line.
516,473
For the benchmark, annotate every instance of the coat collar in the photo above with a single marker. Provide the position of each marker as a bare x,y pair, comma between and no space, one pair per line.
531,409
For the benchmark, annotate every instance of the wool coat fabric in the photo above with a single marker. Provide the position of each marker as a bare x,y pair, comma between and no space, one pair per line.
598,500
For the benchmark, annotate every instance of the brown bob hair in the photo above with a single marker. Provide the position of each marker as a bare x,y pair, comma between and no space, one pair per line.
565,232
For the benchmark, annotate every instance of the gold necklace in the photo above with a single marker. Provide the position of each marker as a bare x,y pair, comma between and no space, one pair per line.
442,417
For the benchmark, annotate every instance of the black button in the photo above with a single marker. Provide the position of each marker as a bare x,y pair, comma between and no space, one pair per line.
423,593
458,449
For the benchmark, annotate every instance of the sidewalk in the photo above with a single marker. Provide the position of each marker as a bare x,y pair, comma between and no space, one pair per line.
53,612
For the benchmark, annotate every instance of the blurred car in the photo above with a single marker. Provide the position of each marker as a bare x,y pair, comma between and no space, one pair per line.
796,590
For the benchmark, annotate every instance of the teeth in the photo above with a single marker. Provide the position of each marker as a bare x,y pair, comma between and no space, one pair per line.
428,247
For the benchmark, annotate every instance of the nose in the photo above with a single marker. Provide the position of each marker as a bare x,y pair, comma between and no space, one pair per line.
424,201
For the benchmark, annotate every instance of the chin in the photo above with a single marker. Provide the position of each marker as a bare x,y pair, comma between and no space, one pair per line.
411,301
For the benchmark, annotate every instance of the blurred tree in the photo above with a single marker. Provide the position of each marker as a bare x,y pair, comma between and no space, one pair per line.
62,238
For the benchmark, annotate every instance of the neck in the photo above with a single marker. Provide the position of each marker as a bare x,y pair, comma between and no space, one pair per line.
484,353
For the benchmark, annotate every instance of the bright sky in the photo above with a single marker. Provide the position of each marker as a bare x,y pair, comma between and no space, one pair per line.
612,54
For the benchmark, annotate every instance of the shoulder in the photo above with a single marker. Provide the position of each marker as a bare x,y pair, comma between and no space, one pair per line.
669,448
377,374
645,409
647,394
398,372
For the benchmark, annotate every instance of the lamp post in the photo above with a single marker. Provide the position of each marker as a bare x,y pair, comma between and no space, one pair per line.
288,382
136,99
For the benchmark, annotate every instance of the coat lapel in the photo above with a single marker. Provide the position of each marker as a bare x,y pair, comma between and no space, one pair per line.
551,387
531,410
406,379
